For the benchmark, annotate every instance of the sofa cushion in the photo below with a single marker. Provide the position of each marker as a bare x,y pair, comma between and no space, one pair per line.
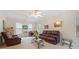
49,32
55,32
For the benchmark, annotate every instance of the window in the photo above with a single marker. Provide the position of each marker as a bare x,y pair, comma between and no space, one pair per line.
18,28
29,27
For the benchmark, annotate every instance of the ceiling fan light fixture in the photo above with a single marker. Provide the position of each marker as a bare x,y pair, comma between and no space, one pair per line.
36,13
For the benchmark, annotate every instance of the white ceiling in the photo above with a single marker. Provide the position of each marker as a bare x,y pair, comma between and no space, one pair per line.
24,15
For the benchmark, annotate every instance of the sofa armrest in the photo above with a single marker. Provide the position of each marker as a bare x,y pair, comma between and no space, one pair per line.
57,38
14,35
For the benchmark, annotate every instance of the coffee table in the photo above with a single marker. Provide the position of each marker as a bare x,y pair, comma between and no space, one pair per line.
39,42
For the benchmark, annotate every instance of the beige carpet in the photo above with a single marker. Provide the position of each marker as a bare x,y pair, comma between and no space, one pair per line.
26,44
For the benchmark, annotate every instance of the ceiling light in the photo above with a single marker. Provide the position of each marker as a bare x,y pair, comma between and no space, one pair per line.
36,13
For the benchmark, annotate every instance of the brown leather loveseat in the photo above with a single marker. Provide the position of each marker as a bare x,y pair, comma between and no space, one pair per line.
11,41
52,37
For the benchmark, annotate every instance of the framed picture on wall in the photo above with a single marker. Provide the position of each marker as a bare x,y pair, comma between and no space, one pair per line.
46,26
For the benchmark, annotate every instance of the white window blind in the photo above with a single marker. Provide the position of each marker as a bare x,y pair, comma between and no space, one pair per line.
18,28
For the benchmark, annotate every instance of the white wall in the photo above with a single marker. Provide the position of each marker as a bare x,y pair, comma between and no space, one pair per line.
68,29
10,22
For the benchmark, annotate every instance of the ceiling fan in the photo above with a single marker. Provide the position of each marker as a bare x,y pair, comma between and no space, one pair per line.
36,13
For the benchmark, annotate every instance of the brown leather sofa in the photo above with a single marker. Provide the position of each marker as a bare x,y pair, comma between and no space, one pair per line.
11,41
52,37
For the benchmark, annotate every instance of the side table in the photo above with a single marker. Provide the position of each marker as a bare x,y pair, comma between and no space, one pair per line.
67,42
